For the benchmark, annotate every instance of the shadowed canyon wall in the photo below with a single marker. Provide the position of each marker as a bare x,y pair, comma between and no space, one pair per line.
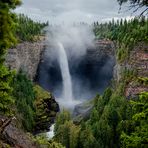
91,73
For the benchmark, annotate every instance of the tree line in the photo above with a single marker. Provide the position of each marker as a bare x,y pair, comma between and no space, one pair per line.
29,30
126,33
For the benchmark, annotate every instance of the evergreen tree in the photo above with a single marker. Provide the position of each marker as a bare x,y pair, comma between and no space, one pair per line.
135,135
28,30
7,39
24,96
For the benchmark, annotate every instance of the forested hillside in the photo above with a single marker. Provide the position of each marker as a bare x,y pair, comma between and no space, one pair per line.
20,99
28,30
115,121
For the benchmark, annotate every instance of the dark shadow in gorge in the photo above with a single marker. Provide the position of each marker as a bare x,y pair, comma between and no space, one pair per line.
91,74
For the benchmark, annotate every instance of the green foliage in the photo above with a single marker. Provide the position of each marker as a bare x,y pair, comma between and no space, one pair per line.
106,116
61,119
6,99
143,80
125,33
7,39
101,130
86,138
66,132
114,122
40,93
138,136
24,97
43,142
28,30
46,108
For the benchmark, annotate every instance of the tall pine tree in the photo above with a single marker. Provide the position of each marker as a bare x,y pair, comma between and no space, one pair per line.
7,39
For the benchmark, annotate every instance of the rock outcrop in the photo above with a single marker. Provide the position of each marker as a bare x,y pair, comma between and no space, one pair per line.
105,46
25,56
82,111
15,137
138,64
46,109
101,49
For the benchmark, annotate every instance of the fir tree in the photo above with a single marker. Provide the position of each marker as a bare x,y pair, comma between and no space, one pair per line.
7,39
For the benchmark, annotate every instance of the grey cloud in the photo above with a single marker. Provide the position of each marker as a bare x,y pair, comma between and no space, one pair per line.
57,11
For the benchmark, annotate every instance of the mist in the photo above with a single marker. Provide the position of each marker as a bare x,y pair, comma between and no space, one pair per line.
89,74
75,38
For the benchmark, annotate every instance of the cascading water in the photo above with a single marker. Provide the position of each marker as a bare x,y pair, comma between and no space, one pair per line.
70,70
67,91
67,84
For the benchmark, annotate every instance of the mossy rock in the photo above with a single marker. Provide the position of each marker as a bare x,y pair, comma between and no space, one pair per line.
41,93
46,109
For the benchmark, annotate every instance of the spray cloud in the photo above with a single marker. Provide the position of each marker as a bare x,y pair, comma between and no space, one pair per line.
69,71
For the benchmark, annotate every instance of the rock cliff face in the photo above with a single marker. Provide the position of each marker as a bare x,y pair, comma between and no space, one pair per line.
138,63
105,46
25,56
15,137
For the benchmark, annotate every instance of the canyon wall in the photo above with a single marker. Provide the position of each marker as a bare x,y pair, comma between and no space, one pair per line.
26,56
137,63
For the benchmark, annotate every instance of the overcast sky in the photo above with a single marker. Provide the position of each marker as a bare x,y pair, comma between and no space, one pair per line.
58,11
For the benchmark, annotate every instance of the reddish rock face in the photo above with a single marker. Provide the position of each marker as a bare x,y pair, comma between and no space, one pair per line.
142,56
132,91
138,62
105,45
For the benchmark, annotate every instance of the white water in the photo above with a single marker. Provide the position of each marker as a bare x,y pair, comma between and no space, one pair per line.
67,94
50,134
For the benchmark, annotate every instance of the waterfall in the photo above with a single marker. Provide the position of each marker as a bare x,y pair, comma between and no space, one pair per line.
67,93
50,134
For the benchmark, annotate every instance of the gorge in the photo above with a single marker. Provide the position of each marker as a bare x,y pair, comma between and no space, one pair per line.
76,68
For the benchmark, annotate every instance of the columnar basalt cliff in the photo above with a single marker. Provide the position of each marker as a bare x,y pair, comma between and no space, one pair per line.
26,56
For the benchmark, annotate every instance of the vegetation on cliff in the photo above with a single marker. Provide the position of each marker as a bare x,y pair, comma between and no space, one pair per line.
125,33
24,96
115,121
35,107
17,94
46,109
7,39
28,30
